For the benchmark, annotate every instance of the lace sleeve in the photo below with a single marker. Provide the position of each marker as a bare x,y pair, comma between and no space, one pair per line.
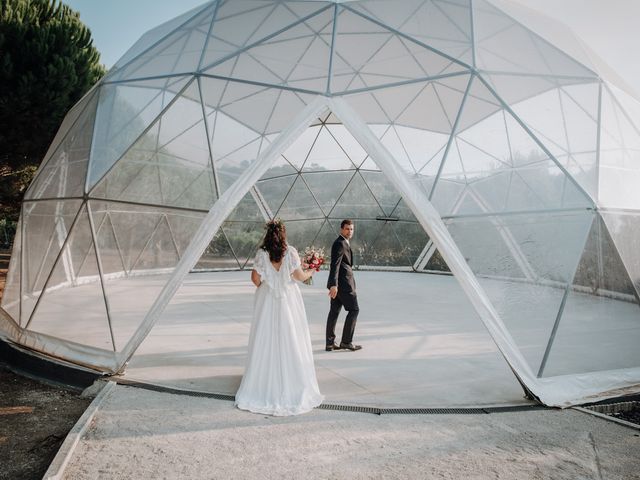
294,259
259,264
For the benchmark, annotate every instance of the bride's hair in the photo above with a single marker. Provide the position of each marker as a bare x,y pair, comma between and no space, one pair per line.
275,240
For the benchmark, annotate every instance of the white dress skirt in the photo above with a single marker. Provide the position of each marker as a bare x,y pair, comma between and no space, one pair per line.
280,377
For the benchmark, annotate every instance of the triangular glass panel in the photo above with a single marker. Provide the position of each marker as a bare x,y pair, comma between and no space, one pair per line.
569,128
412,237
470,204
383,190
302,60
601,270
479,104
415,149
218,254
179,52
491,192
327,187
11,292
109,251
171,162
64,174
403,212
624,229
444,26
436,106
523,263
229,165
327,154
326,236
357,202
125,111
433,158
380,56
499,144
386,249
619,150
160,250
488,140
149,242
81,316
369,165
280,168
275,190
502,44
296,154
153,36
595,333
302,234
436,263
248,209
183,225
46,227
523,194
600,322
299,204
259,21
347,142
260,110
244,238
446,193
68,122
368,108
134,226
453,167
401,105
571,117
392,142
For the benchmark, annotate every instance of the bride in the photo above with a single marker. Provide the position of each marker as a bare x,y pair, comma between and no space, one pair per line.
280,377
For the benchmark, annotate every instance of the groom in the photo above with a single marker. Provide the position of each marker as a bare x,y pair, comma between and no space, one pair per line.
342,291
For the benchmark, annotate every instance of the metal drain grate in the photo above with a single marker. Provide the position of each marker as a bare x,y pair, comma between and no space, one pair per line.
350,408
344,408
175,391
433,411
614,407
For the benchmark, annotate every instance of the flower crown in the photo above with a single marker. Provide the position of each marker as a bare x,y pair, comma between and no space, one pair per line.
275,224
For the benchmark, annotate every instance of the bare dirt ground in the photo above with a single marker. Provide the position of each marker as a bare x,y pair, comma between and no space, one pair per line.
34,420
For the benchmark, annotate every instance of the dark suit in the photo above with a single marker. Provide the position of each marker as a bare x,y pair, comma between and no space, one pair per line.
341,275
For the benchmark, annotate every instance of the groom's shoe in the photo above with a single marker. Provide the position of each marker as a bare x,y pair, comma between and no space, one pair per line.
350,346
332,346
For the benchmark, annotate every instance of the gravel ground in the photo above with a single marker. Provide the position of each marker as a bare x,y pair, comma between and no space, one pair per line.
34,420
632,416
143,434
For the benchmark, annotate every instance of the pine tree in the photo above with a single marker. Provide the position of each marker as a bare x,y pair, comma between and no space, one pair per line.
47,63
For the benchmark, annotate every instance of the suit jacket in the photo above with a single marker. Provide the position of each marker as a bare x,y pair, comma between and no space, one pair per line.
340,273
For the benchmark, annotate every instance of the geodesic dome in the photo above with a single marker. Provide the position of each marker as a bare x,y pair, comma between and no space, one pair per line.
444,128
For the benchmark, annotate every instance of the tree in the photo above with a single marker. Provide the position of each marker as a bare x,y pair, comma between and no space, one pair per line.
47,63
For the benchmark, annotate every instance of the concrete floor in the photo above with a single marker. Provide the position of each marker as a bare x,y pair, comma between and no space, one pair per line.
423,344
136,433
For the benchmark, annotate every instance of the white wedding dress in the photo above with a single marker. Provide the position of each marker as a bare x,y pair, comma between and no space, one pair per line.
280,378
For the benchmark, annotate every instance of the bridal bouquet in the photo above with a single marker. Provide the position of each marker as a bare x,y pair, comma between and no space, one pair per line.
314,258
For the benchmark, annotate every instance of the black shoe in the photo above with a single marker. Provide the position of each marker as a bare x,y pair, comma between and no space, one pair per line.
350,346
332,346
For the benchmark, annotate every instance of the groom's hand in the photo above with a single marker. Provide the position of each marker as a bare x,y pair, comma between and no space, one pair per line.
333,292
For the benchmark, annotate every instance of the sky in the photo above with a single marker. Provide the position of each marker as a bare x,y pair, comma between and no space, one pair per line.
117,24
608,27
